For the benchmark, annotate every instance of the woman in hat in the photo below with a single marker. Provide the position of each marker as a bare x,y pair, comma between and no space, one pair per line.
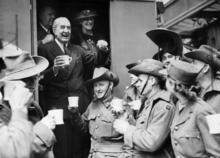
91,41
26,68
99,118
189,130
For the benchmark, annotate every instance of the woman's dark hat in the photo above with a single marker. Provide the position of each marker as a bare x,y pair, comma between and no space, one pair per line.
207,55
23,66
149,67
181,71
101,74
85,14
167,40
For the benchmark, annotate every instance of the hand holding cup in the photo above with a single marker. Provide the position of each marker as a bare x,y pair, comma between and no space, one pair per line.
73,104
49,121
20,97
62,61
103,45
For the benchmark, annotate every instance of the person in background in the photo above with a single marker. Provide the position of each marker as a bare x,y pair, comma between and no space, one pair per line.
46,17
150,136
170,44
131,91
64,78
206,59
26,68
93,42
189,130
99,118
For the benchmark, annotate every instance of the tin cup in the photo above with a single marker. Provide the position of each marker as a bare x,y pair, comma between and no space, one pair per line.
117,105
136,104
73,101
213,123
58,115
66,58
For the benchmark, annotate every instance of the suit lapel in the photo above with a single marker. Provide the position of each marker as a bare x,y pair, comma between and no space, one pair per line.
41,32
56,49
72,53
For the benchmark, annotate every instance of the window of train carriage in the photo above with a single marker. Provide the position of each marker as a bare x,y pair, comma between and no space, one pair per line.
70,9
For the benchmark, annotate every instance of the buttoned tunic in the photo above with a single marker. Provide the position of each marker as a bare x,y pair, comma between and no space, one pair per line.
152,127
190,133
105,141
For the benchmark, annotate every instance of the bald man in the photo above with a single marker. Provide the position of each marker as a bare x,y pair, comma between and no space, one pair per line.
62,80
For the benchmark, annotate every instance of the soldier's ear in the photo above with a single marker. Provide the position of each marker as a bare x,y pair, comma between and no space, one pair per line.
152,80
206,68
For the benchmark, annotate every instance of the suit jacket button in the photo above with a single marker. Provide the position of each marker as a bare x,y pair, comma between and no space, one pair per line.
96,127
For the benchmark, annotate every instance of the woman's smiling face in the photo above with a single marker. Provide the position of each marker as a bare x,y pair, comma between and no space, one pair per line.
87,23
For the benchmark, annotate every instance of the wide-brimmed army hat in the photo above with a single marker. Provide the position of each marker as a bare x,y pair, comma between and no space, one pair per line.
131,65
23,66
167,40
149,67
180,71
206,54
102,74
85,14
8,49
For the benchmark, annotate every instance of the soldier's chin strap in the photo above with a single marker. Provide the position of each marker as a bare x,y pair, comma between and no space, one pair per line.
145,85
106,90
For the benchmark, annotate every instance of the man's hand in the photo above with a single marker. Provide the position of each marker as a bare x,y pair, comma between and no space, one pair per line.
48,38
120,126
49,121
73,109
102,45
59,62
20,98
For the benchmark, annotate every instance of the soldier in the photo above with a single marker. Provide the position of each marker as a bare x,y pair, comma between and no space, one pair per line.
189,130
149,137
206,60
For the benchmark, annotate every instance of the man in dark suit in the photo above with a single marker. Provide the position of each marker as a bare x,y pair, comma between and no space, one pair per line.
44,27
64,78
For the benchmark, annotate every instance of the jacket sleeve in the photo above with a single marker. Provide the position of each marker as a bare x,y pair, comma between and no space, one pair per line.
211,141
81,121
43,140
16,137
152,138
102,57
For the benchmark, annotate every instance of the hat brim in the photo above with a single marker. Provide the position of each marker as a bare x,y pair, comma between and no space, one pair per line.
129,66
163,72
114,78
156,33
84,17
41,65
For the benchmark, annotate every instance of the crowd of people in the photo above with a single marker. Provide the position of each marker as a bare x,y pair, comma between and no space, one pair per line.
176,90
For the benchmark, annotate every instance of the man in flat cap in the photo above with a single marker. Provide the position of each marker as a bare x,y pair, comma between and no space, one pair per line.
207,60
149,137
68,65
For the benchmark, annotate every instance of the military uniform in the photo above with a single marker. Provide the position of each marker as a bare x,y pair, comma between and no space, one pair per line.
212,96
190,133
152,129
15,136
105,141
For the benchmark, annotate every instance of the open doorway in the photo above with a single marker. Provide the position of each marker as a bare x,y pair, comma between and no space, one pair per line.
68,9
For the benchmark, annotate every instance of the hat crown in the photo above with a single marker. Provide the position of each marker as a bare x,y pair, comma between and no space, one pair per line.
99,72
9,49
209,49
184,72
86,14
153,62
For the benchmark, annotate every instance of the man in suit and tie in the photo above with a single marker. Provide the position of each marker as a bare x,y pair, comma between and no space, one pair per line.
63,79
46,18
